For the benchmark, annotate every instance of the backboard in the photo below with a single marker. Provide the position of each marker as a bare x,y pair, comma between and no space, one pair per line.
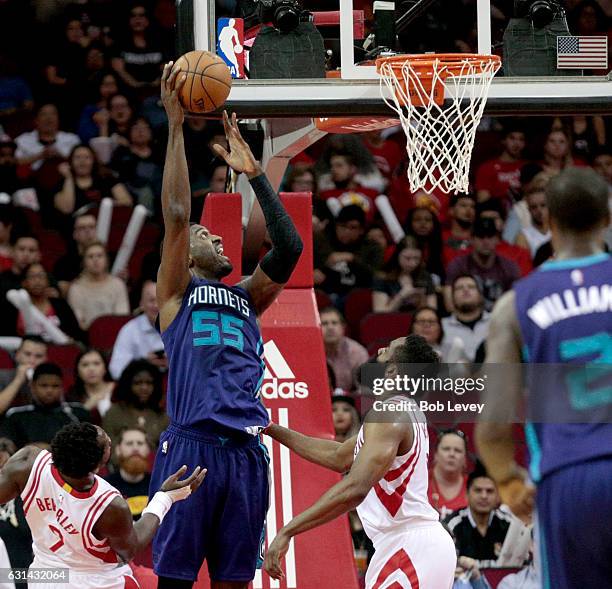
352,85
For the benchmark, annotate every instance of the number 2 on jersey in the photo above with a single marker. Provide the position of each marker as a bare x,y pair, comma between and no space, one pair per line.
582,394
60,542
214,328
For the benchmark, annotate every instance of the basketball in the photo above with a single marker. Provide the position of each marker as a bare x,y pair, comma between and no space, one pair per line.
208,81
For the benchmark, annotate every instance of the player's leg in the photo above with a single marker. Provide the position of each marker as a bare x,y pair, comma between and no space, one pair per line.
237,544
573,533
182,541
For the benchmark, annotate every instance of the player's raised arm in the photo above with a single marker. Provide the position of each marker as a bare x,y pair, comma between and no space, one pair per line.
127,538
494,437
375,457
173,276
327,453
14,474
277,265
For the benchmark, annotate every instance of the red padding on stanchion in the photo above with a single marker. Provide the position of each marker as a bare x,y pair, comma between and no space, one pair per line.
222,216
299,207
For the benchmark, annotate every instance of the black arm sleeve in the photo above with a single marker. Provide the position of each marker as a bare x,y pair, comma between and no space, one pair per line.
279,262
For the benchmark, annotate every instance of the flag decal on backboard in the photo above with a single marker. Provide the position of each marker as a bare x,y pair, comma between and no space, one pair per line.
589,53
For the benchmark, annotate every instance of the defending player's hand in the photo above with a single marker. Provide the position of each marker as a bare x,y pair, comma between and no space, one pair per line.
240,157
172,82
276,553
179,490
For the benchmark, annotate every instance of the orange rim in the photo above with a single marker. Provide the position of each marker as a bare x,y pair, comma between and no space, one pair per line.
423,63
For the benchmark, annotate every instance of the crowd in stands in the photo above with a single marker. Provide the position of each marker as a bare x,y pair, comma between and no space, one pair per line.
82,121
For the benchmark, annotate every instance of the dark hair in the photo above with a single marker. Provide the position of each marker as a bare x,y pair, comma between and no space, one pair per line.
513,126
351,213
124,393
577,199
479,472
493,204
30,337
47,368
600,15
415,350
599,151
335,310
345,154
296,173
455,198
453,432
78,392
76,449
420,310
24,235
96,170
392,267
431,245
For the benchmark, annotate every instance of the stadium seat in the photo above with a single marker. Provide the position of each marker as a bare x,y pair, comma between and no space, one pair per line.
374,346
52,246
494,576
65,357
119,222
323,299
379,326
6,362
357,305
103,331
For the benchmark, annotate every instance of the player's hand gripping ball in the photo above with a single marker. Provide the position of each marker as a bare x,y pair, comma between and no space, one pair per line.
208,81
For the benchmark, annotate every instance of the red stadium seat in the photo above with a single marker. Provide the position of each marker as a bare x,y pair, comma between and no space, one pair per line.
52,247
323,299
119,222
380,326
374,346
6,362
103,331
494,576
357,305
65,357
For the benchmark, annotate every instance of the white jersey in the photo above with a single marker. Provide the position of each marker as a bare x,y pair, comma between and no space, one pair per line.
61,520
399,500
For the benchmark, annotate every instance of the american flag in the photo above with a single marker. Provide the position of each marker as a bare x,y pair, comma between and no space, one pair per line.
589,53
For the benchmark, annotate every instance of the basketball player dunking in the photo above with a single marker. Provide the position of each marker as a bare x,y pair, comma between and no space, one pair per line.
387,483
79,522
560,314
215,352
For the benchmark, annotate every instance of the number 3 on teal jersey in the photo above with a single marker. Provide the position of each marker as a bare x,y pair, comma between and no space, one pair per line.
217,328
582,395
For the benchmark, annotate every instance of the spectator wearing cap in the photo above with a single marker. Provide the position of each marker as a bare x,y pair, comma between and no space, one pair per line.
46,141
346,417
344,257
15,382
344,354
495,273
480,528
138,338
500,177
447,490
39,422
469,322
457,240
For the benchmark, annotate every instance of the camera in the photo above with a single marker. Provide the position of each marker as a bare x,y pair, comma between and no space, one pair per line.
285,15
539,12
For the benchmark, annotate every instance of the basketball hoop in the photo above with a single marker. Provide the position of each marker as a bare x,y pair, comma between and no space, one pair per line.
440,99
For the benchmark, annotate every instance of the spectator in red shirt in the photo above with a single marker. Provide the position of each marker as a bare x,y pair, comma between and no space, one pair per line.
493,209
345,186
447,478
500,177
457,240
494,273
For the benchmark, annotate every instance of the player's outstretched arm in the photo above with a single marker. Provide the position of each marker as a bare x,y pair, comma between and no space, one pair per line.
375,457
127,538
328,453
494,437
277,265
14,474
173,276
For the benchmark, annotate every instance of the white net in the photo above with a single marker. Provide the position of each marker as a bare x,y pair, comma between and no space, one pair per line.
440,137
